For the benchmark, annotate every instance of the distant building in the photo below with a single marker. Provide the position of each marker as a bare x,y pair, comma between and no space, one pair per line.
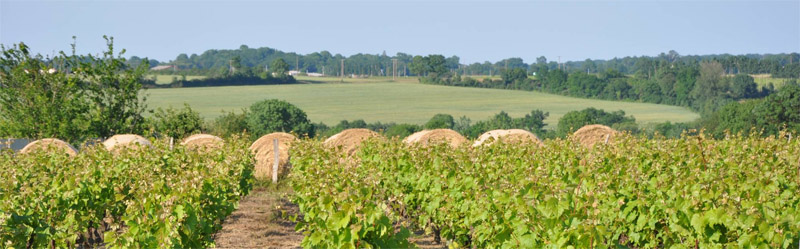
294,72
315,74
163,67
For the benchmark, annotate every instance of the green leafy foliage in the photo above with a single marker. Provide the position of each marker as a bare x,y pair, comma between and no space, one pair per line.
691,192
177,123
139,198
274,115
70,97
440,121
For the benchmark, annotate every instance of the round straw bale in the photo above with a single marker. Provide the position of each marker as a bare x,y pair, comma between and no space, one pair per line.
515,136
264,151
204,141
426,137
119,142
589,135
350,140
50,144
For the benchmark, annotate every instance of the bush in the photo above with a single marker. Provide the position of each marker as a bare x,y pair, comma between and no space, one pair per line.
176,123
440,121
229,124
274,115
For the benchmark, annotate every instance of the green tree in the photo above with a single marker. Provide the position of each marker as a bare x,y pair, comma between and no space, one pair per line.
35,103
780,109
274,115
440,121
574,120
710,86
230,123
419,66
279,67
177,123
401,130
85,96
514,75
743,86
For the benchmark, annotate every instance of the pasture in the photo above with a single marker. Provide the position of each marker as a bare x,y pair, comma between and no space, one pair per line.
330,100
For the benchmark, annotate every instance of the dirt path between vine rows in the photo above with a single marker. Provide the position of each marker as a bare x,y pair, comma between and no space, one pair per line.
262,221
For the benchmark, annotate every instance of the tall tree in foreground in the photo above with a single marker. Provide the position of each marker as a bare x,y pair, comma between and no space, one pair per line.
69,97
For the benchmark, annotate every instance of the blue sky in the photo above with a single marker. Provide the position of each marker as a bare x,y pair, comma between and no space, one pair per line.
474,30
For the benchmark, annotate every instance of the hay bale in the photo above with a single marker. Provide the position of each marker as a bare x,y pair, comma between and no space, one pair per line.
52,144
590,135
264,151
515,136
203,141
427,137
350,140
120,142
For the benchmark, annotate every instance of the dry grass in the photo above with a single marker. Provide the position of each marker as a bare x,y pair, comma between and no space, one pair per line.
50,144
350,140
264,151
120,142
203,141
261,221
590,135
426,137
515,136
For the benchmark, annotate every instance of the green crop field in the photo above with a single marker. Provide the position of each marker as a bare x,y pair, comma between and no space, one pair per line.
405,101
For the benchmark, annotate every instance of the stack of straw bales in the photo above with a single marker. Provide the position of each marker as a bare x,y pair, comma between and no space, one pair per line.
117,143
515,136
264,151
427,137
50,144
350,140
590,135
203,142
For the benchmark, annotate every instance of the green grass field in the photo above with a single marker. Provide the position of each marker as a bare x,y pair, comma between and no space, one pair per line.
764,80
404,101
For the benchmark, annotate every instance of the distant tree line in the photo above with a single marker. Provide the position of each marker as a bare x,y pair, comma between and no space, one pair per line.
215,62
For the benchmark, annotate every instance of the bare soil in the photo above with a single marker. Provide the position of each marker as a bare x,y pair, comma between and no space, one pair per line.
261,221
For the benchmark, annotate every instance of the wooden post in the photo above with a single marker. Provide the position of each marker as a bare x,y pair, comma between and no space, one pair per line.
607,136
170,143
275,164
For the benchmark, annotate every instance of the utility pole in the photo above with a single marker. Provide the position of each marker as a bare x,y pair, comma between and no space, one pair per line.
394,69
559,62
342,68
297,63
323,70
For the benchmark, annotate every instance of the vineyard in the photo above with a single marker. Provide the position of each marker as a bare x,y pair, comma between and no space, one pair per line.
685,193
625,192
145,197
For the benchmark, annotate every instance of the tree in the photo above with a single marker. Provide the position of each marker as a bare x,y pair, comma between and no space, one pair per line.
84,97
514,75
401,130
35,103
710,85
574,120
440,121
279,67
274,115
177,123
419,66
780,109
743,86
230,123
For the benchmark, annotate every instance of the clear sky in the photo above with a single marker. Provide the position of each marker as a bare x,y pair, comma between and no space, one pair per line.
476,31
